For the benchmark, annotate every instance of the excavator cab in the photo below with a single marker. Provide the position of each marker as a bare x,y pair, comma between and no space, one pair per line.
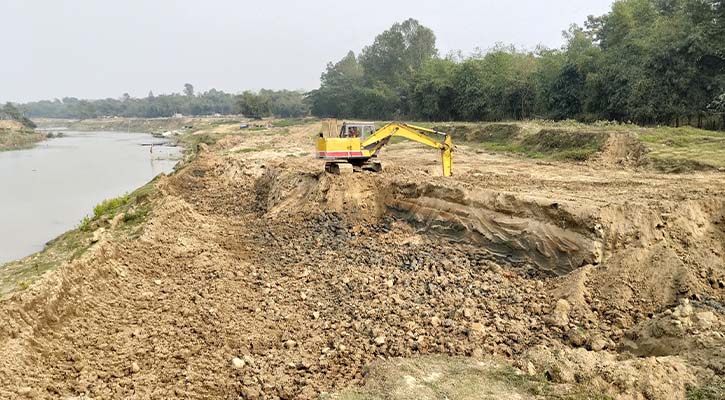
355,145
361,130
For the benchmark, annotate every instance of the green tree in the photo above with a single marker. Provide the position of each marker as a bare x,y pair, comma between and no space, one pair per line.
253,105
398,52
188,89
432,92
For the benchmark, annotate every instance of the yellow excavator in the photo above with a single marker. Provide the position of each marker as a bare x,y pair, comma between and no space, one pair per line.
355,146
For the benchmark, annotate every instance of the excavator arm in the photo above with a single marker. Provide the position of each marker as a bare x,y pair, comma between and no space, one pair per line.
382,136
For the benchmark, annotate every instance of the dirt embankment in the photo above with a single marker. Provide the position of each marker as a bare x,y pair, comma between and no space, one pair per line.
14,136
257,275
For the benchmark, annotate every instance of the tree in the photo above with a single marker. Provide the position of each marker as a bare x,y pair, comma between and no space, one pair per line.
188,89
432,91
338,83
398,51
286,103
252,105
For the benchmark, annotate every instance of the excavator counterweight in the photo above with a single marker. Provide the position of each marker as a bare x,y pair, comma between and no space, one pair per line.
356,145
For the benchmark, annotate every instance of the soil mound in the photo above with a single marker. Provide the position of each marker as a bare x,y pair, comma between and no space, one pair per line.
624,149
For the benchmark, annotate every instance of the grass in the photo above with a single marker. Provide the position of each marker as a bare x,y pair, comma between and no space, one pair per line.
685,148
18,139
713,391
670,149
566,142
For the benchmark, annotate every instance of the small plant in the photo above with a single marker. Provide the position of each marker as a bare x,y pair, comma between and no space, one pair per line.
85,223
109,206
23,285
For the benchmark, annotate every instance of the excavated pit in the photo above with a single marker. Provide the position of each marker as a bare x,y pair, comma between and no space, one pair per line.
536,235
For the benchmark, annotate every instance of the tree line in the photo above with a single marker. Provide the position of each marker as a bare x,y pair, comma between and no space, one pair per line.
282,103
646,61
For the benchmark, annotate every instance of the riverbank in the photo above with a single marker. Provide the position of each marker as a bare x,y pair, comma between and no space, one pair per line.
50,188
14,136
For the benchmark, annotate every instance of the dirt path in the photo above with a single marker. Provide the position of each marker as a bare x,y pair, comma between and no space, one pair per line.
259,276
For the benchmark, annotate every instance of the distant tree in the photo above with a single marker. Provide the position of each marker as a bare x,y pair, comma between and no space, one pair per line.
335,98
188,89
432,92
150,95
398,51
286,103
252,105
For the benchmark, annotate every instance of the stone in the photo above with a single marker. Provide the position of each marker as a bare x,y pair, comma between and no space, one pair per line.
250,393
477,327
97,235
598,344
577,337
560,315
25,391
705,319
135,368
435,321
290,344
237,363
315,314
380,340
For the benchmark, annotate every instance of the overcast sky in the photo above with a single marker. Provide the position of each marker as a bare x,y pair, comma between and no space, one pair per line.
96,48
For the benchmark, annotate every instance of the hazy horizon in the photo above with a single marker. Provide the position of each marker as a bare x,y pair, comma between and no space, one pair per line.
88,49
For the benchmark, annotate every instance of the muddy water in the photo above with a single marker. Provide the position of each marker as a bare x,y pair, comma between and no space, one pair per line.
46,190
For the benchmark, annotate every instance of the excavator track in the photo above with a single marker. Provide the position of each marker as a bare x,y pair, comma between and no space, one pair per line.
339,168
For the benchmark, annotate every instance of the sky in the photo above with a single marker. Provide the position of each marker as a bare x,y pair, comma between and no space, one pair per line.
97,49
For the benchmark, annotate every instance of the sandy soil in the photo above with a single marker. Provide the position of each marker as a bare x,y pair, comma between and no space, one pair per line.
259,276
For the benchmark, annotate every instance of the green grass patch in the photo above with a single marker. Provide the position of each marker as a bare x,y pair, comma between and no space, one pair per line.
711,391
684,149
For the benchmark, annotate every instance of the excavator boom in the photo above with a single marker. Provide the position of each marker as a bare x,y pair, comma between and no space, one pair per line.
381,137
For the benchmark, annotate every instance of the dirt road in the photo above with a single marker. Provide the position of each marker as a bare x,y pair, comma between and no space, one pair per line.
256,275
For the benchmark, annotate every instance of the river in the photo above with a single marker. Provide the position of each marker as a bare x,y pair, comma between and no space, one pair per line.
47,190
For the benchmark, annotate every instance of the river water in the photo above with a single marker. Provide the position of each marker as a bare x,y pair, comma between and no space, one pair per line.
47,190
